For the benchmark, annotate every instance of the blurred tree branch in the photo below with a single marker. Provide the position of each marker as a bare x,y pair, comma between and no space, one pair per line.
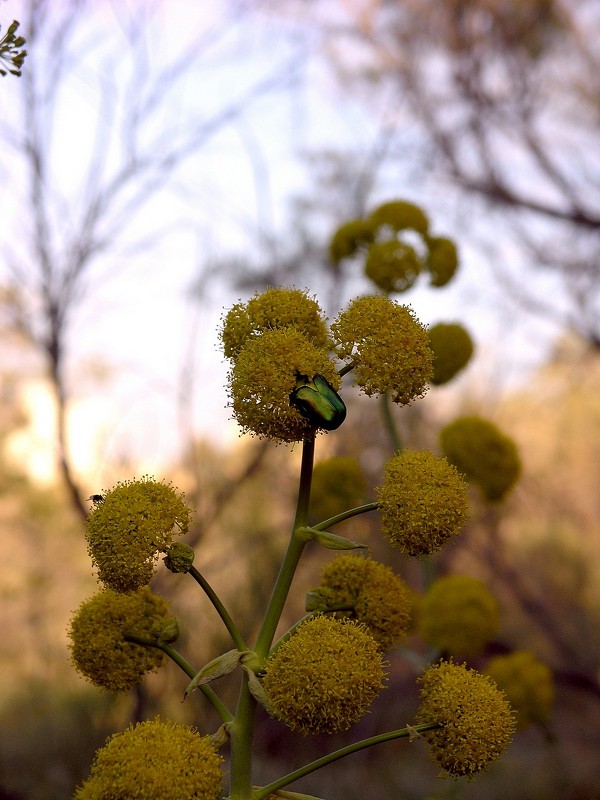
143,134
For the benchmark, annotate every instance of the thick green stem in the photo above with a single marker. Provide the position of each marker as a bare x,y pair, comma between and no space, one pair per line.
220,608
291,558
241,734
260,794
184,665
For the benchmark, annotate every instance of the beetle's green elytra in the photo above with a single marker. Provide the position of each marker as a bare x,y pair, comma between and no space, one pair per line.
319,403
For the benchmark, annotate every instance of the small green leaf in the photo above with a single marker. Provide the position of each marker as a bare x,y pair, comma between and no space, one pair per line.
256,687
332,541
221,736
217,668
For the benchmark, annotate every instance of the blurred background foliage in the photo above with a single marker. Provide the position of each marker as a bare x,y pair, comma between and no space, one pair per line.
487,114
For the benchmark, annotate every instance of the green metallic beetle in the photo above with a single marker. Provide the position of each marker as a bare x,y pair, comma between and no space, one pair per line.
319,403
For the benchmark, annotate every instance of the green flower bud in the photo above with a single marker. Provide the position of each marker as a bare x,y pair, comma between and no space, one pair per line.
179,557
349,238
527,683
400,215
452,349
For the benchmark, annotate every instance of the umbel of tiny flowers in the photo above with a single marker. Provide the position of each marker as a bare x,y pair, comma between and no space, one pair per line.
483,454
11,51
155,760
397,247
99,648
387,347
324,677
477,722
136,521
367,591
527,683
458,615
338,483
423,502
452,350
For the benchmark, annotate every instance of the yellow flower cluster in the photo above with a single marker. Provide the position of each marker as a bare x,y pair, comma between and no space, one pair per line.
371,593
477,721
283,381
458,615
126,531
527,683
483,454
325,676
452,349
155,760
423,502
97,632
393,260
388,347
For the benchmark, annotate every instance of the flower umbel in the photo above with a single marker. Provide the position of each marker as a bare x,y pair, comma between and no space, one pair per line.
458,615
136,521
483,454
388,347
527,683
423,502
477,720
373,594
324,678
155,760
99,649
265,373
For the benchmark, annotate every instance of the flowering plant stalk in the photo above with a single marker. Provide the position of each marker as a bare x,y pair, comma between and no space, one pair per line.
285,380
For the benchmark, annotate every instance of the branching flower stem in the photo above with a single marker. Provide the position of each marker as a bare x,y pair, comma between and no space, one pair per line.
184,665
220,608
351,512
285,780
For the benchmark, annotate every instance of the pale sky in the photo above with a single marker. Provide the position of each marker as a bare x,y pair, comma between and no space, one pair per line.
137,337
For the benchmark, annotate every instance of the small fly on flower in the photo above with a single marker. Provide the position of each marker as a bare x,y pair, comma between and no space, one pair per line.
96,499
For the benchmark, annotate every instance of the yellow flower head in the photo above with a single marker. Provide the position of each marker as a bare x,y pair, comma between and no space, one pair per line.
442,261
452,349
125,532
97,633
423,502
388,347
349,238
337,485
458,615
477,720
155,760
372,594
276,307
324,678
527,683
393,266
483,454
399,215
265,373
